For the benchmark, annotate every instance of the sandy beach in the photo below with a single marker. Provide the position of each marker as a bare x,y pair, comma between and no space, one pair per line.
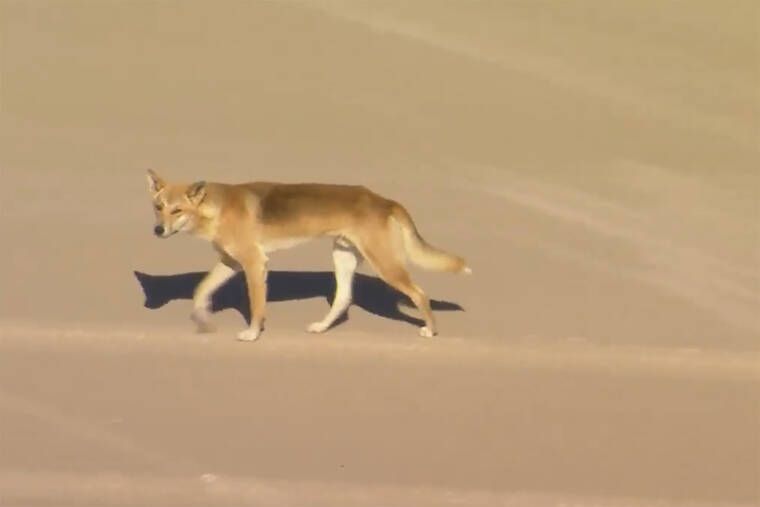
595,162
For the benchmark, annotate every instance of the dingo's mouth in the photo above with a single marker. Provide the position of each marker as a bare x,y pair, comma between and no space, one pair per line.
160,232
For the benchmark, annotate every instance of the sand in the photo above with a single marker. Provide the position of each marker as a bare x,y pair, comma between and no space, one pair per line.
595,162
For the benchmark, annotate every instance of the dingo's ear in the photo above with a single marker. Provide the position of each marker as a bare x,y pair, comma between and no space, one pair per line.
196,192
155,183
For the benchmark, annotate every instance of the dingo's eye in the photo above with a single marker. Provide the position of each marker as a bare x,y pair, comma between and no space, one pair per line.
176,211
158,207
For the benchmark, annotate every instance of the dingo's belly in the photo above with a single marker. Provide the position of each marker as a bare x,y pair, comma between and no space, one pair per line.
272,245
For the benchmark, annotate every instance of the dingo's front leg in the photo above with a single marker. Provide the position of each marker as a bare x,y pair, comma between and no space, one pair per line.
256,278
216,277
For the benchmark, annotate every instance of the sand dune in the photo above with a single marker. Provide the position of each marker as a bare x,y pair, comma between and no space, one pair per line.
595,162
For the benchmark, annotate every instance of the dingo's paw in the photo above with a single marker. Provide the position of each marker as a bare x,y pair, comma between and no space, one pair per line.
426,332
317,327
249,335
202,319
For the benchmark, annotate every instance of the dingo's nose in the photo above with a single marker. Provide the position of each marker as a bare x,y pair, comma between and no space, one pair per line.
159,230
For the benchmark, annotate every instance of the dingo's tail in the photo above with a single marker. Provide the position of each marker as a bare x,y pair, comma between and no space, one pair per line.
422,253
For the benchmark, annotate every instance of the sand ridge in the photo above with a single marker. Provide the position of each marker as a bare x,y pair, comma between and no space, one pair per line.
594,162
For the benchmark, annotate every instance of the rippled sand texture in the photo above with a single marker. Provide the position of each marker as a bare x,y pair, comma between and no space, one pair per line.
596,163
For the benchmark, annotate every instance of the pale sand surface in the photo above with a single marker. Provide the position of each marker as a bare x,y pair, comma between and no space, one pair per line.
596,163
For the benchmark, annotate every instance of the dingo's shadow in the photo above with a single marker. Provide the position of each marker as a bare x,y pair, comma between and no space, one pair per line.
369,293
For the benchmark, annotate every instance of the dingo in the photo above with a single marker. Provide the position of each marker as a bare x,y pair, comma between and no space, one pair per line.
246,221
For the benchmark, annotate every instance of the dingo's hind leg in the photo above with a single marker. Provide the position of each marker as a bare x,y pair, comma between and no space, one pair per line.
346,259
386,261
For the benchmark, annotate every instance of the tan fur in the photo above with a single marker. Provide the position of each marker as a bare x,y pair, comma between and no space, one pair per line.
246,221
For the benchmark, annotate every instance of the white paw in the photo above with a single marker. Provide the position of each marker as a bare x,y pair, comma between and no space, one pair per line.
249,335
317,327
426,332
201,317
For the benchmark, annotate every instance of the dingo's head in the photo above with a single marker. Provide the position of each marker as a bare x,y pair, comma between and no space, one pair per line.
176,206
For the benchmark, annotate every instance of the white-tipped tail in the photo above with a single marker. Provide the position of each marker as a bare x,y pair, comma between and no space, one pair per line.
422,253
